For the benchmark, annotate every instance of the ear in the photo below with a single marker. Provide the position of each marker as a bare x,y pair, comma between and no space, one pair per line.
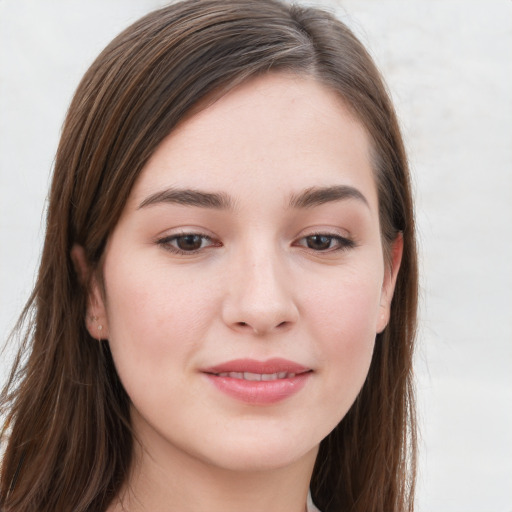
96,314
388,285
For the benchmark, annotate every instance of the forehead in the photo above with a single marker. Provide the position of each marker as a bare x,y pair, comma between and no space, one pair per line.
278,131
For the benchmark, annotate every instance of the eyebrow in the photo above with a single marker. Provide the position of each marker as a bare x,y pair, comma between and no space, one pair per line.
189,197
316,196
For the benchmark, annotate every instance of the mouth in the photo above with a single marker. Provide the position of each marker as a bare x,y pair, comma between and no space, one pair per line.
258,376
251,369
259,382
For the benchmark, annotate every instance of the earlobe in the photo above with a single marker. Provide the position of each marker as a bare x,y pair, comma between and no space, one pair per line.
388,285
96,317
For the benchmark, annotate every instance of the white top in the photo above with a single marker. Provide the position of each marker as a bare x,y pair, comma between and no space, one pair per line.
310,506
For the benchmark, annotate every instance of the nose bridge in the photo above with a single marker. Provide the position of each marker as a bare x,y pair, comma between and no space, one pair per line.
260,295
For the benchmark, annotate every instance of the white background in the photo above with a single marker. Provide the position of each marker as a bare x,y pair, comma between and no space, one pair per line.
449,67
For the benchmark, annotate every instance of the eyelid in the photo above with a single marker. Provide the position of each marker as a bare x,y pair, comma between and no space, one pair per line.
345,242
166,241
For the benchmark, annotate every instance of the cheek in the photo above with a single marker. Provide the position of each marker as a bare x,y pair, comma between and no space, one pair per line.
344,317
155,320
347,306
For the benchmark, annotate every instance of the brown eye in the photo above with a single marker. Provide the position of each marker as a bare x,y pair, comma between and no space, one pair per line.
189,242
325,242
319,242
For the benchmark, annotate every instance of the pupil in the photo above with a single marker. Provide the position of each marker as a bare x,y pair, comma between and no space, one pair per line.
319,242
189,242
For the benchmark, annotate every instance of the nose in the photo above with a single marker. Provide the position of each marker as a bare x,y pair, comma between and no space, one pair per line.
260,298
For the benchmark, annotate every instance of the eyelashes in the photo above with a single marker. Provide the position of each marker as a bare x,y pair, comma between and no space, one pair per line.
187,243
322,242
195,243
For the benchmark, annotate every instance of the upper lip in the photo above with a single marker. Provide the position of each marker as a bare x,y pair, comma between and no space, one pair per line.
270,366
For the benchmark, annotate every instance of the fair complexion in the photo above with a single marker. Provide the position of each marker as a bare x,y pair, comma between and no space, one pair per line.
251,234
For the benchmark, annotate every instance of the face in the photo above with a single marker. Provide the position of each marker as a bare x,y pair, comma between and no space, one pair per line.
244,283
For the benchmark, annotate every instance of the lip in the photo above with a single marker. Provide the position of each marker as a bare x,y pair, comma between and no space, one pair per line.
259,392
275,365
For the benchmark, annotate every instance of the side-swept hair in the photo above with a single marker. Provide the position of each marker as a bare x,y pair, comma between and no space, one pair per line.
67,436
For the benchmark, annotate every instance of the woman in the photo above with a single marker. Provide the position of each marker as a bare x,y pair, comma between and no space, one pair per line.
225,310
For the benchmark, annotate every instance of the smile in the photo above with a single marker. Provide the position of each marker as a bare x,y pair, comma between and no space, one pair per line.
257,376
259,382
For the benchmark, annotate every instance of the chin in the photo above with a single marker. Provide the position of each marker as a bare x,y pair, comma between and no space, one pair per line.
261,453
257,460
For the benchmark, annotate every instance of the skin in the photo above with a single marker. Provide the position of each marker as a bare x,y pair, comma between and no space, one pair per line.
259,285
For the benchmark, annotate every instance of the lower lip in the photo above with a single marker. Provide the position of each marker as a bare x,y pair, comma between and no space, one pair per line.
259,392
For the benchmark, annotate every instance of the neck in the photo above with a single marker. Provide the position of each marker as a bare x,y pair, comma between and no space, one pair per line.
170,480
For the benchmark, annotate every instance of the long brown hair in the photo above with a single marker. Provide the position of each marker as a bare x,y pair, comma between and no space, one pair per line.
67,436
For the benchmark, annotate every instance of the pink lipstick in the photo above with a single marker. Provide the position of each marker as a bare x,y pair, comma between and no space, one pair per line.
259,382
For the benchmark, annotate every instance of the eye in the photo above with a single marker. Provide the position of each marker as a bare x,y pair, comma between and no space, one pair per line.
186,243
325,242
